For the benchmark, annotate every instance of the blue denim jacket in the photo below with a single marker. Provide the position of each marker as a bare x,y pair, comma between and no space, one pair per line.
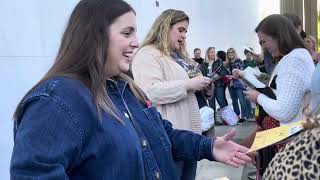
59,136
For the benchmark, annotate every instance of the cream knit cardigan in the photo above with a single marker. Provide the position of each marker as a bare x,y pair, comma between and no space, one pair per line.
163,80
294,72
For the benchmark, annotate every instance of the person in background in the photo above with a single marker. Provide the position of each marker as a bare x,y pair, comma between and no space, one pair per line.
220,84
86,119
197,56
250,62
236,88
163,69
310,44
297,23
290,80
206,69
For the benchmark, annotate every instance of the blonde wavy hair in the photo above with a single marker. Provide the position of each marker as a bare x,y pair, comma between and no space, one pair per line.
313,40
158,34
312,116
235,55
206,58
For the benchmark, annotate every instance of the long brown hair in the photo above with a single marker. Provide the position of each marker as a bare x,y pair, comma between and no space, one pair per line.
281,29
83,51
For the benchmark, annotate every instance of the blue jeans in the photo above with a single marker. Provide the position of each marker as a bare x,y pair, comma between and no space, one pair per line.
220,95
237,94
186,170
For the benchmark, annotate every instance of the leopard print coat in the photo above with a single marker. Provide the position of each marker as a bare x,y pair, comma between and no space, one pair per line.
300,159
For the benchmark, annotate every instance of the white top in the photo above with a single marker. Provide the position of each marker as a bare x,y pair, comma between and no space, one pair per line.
294,72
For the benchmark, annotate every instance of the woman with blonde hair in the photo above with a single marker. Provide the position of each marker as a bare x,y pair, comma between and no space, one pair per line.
310,44
235,86
163,69
206,69
213,64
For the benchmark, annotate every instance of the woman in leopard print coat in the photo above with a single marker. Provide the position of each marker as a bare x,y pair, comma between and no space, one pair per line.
300,159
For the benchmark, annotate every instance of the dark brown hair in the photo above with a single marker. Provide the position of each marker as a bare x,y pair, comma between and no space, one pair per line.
83,50
294,19
282,30
196,49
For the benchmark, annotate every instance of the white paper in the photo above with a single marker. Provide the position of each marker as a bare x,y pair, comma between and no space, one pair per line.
250,75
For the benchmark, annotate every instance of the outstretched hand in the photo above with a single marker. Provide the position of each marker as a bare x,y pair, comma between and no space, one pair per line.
230,153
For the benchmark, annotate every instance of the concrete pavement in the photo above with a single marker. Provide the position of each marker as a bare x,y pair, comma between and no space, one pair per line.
212,170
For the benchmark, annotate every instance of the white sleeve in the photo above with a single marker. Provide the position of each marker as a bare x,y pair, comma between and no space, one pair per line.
290,93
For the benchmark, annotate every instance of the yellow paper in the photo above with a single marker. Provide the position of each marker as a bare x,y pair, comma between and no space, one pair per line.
274,135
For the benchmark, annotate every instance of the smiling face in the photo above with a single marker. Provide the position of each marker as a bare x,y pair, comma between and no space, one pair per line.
177,35
123,41
269,43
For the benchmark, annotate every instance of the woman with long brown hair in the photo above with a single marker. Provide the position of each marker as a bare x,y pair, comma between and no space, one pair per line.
290,81
87,120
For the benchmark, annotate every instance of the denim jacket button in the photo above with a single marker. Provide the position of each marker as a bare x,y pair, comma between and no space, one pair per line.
126,115
157,174
144,143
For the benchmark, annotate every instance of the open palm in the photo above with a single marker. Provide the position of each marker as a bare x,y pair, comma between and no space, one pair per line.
230,153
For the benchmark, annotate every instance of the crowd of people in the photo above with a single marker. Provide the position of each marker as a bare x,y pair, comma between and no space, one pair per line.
88,119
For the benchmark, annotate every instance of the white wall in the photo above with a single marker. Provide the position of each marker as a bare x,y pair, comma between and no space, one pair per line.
222,24
30,33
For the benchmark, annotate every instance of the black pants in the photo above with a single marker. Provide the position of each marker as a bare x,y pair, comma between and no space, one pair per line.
201,99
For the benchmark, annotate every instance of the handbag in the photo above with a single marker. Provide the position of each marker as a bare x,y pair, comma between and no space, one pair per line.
229,116
207,118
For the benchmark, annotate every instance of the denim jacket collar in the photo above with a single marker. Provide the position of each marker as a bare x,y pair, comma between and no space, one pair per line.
113,85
